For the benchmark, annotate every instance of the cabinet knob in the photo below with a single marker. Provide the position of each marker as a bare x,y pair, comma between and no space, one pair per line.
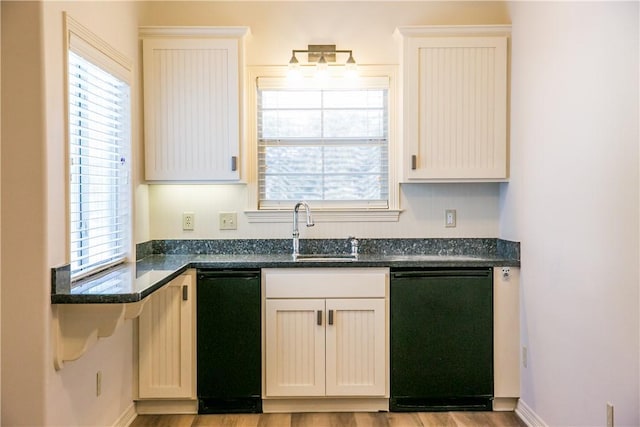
414,162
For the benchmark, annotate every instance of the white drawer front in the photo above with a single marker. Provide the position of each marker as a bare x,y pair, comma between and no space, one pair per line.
325,282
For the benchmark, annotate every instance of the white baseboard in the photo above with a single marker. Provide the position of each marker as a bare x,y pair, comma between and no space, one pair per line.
505,404
127,417
367,404
166,406
528,416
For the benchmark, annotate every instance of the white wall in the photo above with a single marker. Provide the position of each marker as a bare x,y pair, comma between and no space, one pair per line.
71,392
34,223
367,28
573,203
423,216
0,216
24,292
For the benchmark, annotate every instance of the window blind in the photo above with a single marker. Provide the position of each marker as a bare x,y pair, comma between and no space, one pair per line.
99,133
326,145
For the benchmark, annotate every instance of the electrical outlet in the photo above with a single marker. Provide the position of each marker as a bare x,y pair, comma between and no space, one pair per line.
450,218
228,221
98,383
609,414
524,357
188,221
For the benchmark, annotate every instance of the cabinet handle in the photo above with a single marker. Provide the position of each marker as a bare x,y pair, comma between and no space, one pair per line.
414,162
319,315
331,317
234,163
185,293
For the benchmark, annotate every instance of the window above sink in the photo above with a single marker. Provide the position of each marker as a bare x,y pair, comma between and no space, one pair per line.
322,161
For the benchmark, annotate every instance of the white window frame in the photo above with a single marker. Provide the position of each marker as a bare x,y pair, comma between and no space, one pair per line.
339,213
84,43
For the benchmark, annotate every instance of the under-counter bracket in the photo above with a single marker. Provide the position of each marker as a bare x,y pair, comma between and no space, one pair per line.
76,327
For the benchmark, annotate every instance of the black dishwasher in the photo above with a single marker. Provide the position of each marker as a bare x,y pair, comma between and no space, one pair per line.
228,327
441,339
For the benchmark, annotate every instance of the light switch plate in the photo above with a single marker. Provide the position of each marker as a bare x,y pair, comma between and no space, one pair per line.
450,218
228,221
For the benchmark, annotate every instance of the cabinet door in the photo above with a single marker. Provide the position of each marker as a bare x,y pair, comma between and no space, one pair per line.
295,347
506,334
191,109
455,108
166,342
355,340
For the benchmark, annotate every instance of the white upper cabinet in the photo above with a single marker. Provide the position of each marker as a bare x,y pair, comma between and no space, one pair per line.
455,97
192,93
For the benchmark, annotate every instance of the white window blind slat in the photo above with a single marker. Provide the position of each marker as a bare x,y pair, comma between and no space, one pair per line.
99,206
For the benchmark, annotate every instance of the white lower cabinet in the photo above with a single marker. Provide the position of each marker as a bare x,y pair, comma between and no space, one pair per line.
506,338
325,335
166,349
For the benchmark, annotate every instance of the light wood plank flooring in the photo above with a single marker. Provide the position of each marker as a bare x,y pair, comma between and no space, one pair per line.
342,419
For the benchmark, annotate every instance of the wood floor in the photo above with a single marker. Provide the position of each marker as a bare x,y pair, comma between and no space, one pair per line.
342,419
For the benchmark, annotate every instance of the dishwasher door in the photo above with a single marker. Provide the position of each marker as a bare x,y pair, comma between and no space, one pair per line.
228,328
441,339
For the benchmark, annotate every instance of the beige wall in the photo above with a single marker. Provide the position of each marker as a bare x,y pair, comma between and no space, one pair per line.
24,294
0,218
34,231
367,28
573,202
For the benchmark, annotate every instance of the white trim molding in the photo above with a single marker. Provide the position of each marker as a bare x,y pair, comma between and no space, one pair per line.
528,416
373,215
127,417
173,32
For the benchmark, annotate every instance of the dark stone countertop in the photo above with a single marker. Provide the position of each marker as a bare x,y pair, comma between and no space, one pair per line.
133,282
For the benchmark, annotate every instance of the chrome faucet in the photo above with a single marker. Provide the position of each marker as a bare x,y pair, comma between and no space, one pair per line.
296,233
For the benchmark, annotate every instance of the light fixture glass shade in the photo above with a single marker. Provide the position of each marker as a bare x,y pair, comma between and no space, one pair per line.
322,69
351,63
322,64
294,72
293,62
350,67
294,68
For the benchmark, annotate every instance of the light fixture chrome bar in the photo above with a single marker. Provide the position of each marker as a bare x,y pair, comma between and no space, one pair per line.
321,55
317,51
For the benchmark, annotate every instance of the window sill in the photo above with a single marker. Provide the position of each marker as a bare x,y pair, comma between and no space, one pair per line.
326,215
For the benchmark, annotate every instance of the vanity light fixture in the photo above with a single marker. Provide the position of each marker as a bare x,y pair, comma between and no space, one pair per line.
322,55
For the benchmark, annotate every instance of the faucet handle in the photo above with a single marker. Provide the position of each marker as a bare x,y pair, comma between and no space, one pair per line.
354,245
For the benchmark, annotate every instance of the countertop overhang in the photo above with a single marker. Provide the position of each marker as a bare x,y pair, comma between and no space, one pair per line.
132,282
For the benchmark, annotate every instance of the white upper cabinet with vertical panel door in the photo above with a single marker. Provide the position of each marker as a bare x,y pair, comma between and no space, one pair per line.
455,102
192,91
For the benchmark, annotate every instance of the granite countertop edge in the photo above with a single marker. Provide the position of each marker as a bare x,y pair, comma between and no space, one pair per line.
140,279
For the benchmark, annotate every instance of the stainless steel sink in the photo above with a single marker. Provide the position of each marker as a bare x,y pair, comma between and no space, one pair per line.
325,258
430,258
